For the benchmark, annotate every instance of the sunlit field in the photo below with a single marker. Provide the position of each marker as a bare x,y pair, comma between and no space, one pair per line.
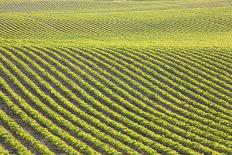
115,77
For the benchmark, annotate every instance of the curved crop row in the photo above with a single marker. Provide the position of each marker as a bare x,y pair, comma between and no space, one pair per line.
115,100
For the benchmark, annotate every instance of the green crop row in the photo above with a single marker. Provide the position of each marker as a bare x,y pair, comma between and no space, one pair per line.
116,100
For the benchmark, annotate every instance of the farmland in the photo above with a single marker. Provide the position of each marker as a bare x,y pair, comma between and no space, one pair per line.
115,77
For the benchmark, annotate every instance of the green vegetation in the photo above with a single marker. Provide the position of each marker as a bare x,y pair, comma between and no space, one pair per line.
115,77
147,23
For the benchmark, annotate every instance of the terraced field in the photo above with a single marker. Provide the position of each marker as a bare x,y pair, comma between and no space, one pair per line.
115,77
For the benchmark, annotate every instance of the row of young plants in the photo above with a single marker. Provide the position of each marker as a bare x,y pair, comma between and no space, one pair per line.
150,71
52,30
73,26
79,90
220,62
187,91
6,30
139,105
28,28
76,87
78,111
42,119
61,146
20,132
223,54
56,58
46,60
127,103
31,5
222,91
77,60
205,144
10,27
106,109
204,74
4,151
221,80
128,79
204,97
213,66
97,26
92,73
153,64
13,142
66,123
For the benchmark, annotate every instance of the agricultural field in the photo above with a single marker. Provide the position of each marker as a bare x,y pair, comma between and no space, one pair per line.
116,77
